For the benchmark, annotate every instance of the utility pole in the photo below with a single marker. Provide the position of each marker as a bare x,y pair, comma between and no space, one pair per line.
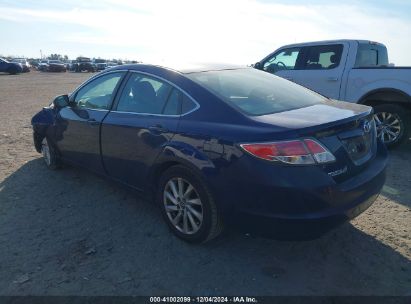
41,54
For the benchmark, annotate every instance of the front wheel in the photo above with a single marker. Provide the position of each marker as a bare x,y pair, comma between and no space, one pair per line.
50,155
392,124
188,206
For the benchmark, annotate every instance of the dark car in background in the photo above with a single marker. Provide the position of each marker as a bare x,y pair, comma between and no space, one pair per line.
56,66
34,63
10,67
24,64
214,145
43,65
100,64
69,64
83,64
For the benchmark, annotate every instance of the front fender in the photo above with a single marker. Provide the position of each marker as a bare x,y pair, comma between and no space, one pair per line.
41,123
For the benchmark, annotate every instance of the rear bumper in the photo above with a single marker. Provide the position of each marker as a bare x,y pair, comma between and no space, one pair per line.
289,209
309,226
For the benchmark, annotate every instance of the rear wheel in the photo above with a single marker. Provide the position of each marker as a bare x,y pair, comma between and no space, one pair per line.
188,206
392,124
50,155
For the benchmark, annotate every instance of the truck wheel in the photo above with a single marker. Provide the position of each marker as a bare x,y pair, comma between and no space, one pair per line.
188,206
392,124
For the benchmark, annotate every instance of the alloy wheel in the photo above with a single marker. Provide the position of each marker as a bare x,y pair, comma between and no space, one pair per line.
388,126
45,150
183,205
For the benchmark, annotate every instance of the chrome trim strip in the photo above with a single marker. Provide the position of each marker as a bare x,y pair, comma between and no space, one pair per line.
145,114
100,110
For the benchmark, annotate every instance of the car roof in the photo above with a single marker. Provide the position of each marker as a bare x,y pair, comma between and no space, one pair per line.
185,68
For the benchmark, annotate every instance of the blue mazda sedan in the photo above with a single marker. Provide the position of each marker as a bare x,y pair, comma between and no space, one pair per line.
218,145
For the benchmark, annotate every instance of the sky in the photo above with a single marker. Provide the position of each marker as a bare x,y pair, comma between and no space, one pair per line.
231,31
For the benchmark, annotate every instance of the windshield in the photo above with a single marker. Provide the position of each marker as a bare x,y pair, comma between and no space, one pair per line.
255,92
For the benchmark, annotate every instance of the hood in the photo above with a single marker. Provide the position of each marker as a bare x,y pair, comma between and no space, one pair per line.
328,113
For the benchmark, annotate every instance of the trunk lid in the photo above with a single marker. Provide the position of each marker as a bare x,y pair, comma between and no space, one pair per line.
347,130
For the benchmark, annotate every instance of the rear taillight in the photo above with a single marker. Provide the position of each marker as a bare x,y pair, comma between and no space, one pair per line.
297,152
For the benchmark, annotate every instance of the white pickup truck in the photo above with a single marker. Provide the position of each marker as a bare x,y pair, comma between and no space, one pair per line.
354,71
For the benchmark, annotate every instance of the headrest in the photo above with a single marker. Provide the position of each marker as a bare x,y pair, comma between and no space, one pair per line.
144,91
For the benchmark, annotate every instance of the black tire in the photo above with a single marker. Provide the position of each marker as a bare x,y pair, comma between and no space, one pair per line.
52,160
211,225
401,115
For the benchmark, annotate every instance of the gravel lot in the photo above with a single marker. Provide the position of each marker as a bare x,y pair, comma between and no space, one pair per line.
69,232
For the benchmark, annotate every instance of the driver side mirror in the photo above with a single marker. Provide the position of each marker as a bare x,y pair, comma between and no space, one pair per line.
61,101
258,65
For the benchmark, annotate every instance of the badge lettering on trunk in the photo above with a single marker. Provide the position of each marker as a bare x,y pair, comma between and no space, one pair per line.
338,172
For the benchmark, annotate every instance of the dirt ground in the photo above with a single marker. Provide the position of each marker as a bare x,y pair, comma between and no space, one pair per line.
69,232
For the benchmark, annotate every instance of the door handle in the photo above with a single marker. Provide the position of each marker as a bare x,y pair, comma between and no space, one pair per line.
332,78
158,129
93,122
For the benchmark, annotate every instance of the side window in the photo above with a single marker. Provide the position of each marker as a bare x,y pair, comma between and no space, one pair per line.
144,94
323,57
173,106
97,94
371,55
187,105
283,60
367,58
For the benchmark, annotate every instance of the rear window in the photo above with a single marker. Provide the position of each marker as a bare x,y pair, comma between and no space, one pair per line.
323,56
254,92
371,55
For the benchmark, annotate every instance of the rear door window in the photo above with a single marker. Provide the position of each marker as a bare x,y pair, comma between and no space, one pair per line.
143,94
148,95
322,57
173,106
